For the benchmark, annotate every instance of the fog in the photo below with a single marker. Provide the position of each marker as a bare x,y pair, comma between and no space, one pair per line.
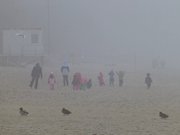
103,30
112,64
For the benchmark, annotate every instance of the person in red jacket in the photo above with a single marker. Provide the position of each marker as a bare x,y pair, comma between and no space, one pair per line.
77,81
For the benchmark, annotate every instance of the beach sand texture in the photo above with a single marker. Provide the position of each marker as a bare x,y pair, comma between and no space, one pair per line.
130,110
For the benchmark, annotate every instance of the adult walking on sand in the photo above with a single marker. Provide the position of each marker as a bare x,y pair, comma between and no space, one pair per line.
36,74
65,73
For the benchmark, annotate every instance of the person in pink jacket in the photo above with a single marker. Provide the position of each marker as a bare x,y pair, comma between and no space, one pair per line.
51,81
101,79
76,81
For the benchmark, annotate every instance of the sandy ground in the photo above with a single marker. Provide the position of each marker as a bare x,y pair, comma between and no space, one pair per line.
130,110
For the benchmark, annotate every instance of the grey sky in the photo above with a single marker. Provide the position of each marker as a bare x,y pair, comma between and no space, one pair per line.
101,28
148,27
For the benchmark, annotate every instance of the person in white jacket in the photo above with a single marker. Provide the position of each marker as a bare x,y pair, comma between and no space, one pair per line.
65,73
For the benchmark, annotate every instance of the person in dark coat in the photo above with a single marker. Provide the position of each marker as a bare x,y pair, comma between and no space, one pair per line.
36,74
111,78
89,84
121,78
148,80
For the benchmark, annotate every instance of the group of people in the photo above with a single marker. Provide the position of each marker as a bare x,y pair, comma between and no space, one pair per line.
79,82
37,73
120,75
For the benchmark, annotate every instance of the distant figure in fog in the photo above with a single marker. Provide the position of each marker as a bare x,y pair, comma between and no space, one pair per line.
65,73
51,81
83,83
121,78
36,74
76,81
101,79
148,80
89,84
111,78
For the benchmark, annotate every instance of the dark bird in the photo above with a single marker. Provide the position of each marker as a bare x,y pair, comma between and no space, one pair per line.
163,115
65,111
23,112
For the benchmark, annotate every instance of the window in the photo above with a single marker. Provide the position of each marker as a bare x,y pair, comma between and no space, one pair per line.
34,38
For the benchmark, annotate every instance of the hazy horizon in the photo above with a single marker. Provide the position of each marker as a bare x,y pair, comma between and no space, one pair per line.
101,29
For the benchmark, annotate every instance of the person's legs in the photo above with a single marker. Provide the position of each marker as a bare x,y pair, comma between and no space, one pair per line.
110,82
113,83
32,82
100,83
36,83
64,80
120,83
52,87
67,81
78,86
148,85
74,87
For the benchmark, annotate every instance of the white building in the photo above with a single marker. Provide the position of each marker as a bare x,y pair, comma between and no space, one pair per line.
23,29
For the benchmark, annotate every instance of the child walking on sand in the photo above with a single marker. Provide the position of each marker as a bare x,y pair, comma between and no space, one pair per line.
101,79
121,78
51,81
76,81
148,80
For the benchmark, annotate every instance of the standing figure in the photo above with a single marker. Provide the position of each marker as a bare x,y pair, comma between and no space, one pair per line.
35,74
89,84
76,81
121,78
148,80
83,83
51,81
111,78
101,79
65,72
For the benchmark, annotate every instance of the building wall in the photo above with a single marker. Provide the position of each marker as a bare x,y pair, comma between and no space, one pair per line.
24,14
26,42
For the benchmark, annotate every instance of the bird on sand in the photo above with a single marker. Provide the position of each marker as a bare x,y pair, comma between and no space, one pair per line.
23,112
163,115
65,111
